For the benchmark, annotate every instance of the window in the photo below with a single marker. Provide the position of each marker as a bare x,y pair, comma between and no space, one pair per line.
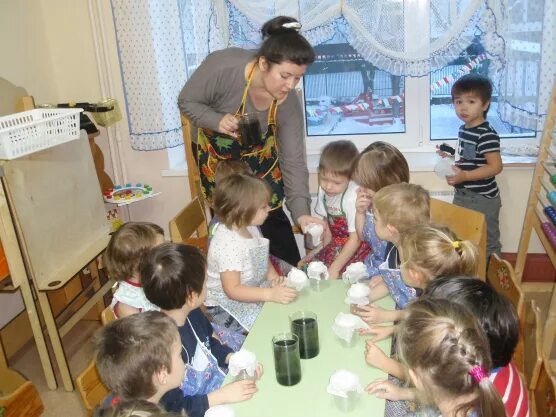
444,124
346,95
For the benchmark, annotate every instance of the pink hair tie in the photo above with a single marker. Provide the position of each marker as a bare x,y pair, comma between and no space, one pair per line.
478,373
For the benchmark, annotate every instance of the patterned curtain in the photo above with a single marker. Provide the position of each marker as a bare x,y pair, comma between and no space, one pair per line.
161,42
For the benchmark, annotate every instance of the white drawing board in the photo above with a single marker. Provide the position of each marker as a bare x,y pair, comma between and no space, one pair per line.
58,210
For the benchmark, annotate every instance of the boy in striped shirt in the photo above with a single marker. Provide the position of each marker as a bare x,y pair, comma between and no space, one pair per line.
478,158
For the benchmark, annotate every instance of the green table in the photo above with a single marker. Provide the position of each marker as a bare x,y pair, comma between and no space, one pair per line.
309,397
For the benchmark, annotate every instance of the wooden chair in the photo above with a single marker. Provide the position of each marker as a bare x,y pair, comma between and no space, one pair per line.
532,339
107,316
502,278
18,396
189,221
544,395
465,223
91,388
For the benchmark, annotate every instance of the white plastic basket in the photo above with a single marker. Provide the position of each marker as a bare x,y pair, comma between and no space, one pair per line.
34,130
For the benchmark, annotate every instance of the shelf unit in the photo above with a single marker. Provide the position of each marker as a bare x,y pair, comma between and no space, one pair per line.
534,215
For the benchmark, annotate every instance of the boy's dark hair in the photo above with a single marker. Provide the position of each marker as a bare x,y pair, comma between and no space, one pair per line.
135,408
171,273
284,44
132,349
495,313
127,246
474,83
339,157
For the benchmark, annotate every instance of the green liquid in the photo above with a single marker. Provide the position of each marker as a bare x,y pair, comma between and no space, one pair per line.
307,331
286,362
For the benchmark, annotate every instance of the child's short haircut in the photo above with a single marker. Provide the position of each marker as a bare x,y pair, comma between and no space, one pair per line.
136,408
476,84
132,349
495,313
228,167
379,165
128,245
237,198
171,273
437,252
402,205
339,158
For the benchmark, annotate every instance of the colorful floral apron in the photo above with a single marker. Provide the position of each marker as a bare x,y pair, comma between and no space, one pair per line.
246,313
202,373
213,147
340,234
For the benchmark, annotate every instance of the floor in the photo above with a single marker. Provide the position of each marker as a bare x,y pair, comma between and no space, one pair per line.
79,351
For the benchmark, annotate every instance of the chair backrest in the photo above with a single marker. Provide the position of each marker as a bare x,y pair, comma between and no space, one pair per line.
501,277
532,340
544,394
467,224
193,175
107,316
18,397
189,221
91,388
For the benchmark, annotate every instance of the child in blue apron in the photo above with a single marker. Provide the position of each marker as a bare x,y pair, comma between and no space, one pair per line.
448,360
379,165
240,275
426,252
174,279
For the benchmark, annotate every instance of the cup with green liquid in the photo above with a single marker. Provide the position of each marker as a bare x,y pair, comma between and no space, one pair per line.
305,326
287,363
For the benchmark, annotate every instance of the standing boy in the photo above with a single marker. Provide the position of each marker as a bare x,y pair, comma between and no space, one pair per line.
478,155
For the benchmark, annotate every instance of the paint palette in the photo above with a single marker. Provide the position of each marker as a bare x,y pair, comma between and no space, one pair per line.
128,193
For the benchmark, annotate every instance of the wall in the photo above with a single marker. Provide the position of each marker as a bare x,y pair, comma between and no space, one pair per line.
48,48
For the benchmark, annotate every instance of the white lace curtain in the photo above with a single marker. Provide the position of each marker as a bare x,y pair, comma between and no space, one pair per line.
160,42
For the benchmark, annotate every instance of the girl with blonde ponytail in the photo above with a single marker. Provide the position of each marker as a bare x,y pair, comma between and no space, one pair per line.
430,251
448,360
427,252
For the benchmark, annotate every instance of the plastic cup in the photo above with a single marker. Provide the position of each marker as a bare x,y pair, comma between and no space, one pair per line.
319,284
250,129
287,363
305,326
346,404
243,375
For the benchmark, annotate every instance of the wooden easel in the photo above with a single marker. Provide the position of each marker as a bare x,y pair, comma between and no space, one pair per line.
57,235
534,215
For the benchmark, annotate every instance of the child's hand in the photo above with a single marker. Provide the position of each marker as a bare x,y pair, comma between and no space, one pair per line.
282,294
443,153
375,280
372,314
306,220
333,273
389,391
379,332
234,392
364,200
279,280
259,371
374,356
458,177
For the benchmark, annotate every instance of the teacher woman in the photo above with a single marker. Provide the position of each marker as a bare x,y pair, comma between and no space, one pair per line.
232,82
